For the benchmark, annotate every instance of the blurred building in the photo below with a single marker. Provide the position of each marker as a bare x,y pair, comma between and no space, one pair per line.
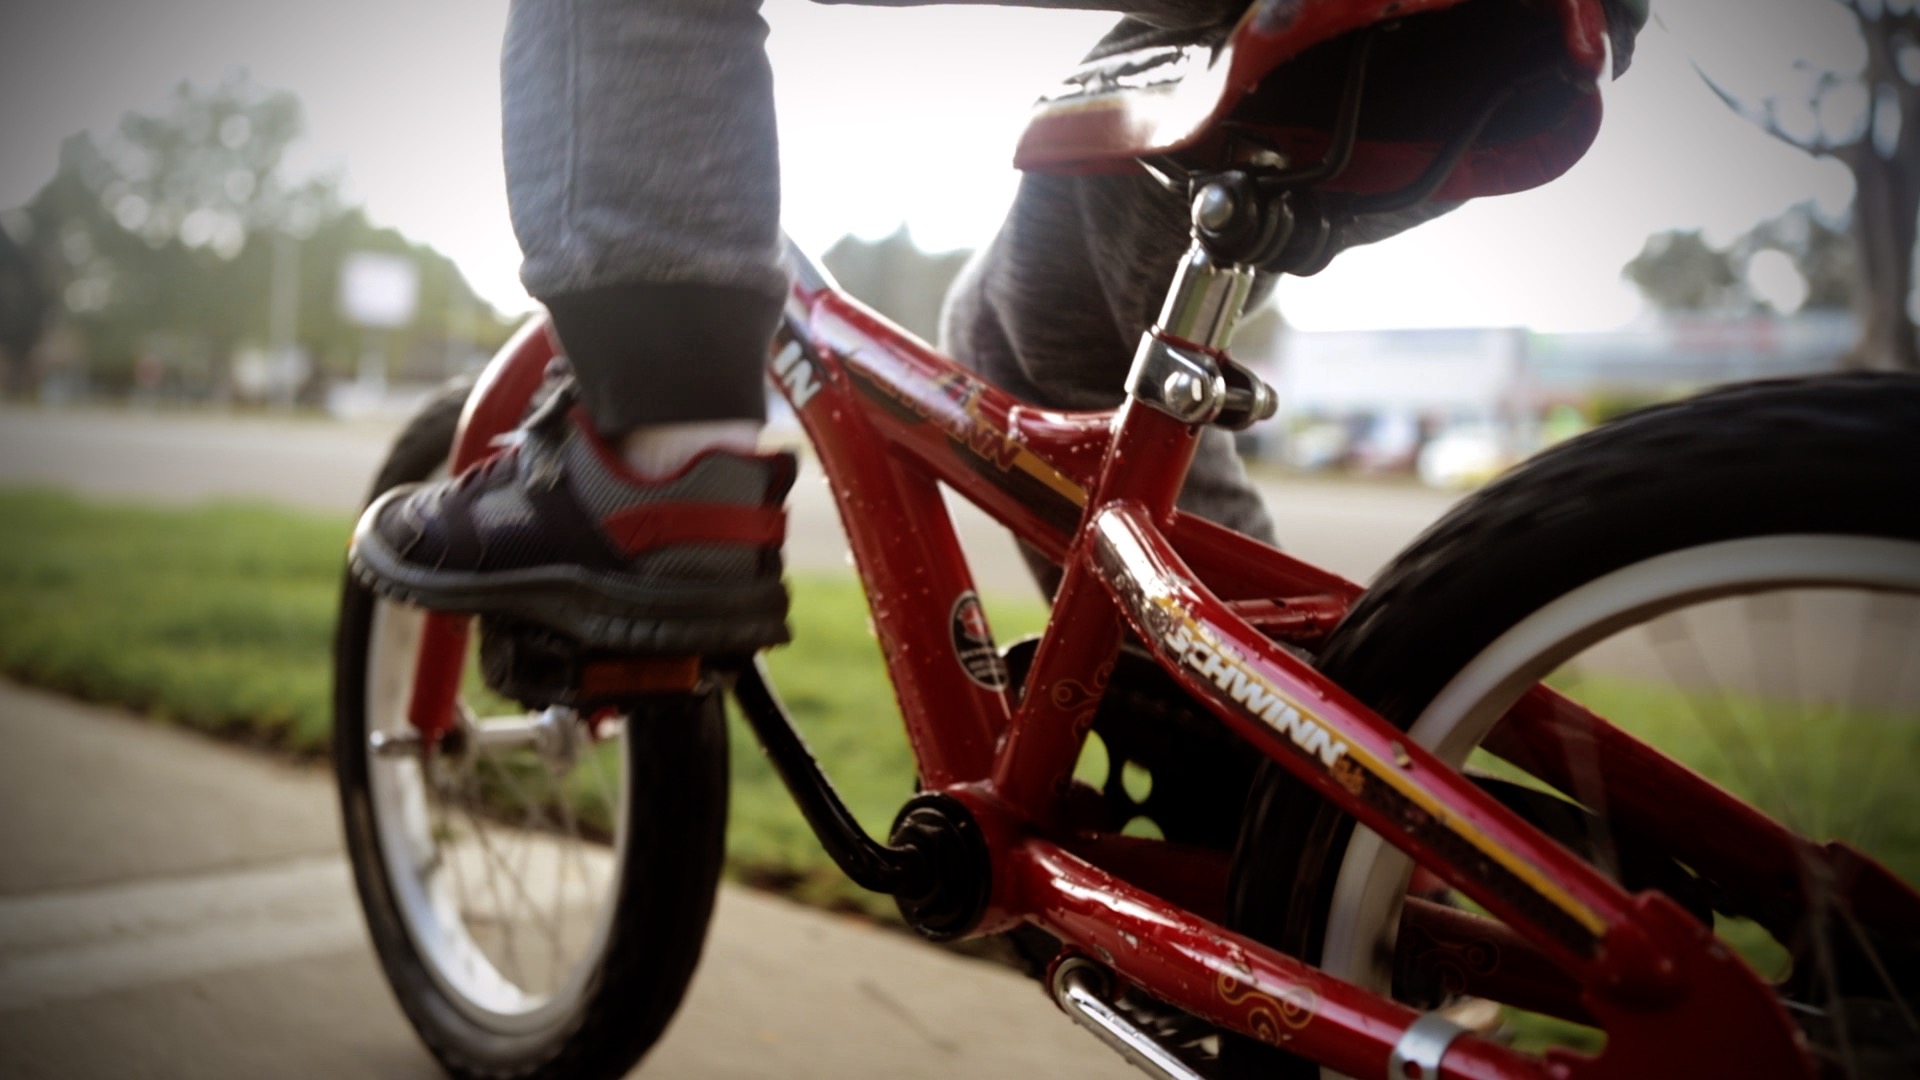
1373,400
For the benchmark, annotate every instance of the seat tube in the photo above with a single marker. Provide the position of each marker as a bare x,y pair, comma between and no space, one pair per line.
1174,388
1177,385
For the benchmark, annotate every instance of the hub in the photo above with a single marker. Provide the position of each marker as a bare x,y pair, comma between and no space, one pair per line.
950,892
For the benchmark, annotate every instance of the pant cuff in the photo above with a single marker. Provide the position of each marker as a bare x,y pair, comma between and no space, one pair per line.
667,353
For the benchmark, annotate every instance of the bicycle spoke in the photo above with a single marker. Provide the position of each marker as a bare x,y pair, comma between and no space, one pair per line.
442,843
497,866
1880,971
525,897
1885,633
1770,642
525,834
567,845
493,886
1830,975
1690,671
1590,790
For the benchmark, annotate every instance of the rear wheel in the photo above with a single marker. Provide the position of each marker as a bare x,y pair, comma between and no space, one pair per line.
1734,580
537,886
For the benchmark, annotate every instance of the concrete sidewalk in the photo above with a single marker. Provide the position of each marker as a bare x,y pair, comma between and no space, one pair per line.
174,907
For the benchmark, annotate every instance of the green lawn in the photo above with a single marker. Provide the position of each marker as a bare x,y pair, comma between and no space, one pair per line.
1827,771
221,618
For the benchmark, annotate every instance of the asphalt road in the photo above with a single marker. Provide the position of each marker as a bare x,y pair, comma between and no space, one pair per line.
319,465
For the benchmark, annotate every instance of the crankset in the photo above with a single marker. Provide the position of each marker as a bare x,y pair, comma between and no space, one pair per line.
1169,762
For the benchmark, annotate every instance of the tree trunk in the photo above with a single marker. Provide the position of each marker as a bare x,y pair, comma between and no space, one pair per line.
1886,206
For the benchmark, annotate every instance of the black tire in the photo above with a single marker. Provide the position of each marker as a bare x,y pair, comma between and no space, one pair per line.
1834,459
614,1000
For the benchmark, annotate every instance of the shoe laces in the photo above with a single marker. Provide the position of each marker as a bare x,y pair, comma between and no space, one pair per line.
537,441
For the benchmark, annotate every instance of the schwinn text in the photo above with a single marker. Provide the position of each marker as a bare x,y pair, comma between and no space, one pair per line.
1219,664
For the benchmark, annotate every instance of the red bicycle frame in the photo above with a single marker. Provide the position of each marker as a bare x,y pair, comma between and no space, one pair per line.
891,421
1229,619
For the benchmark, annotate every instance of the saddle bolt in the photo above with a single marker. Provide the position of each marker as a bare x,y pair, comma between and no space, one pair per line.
1213,208
1184,390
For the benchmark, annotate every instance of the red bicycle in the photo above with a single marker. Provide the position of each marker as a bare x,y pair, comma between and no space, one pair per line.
1379,812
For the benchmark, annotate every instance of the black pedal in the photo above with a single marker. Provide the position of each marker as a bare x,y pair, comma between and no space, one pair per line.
540,668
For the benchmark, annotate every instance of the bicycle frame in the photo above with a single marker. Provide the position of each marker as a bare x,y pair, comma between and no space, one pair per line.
891,421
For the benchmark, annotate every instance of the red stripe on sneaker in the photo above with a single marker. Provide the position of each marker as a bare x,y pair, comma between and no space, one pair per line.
666,524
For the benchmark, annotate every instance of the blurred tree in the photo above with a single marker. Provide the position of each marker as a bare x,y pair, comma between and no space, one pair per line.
1822,252
23,309
162,237
164,233
1881,148
1679,270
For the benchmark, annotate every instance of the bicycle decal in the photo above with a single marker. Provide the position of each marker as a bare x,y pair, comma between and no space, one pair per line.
1081,700
952,402
791,366
1219,664
1378,783
973,643
1291,1006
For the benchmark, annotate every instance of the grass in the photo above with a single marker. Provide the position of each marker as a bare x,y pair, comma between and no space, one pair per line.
1826,771
220,618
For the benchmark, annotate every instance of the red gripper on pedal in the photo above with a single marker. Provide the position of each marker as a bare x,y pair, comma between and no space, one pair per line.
637,676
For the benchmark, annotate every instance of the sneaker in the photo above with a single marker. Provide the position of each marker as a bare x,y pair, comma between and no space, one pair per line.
555,530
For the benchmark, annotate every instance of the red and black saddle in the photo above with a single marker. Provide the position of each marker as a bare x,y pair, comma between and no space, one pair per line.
1517,80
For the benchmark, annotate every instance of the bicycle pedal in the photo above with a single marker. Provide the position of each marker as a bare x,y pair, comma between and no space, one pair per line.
539,668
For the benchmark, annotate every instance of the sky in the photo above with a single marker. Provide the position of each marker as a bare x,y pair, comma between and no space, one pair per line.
910,116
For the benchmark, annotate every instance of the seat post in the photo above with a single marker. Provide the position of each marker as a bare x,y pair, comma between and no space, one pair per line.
1181,367
1205,301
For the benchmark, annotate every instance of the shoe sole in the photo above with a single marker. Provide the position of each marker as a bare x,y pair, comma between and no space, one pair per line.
592,607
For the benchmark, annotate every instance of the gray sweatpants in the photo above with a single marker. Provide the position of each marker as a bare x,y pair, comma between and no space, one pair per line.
643,175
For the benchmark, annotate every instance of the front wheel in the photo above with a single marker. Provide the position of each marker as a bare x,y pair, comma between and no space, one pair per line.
1734,580
537,886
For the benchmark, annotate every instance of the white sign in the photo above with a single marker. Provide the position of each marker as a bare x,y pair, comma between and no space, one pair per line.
378,290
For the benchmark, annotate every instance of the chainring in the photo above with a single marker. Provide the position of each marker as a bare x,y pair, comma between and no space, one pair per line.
1197,772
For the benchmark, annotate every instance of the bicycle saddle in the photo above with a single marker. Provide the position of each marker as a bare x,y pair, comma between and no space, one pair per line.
1370,93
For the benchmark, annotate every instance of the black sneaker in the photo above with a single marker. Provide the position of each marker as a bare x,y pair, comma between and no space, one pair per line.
555,530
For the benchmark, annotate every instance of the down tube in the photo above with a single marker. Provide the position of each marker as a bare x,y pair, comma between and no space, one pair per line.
498,401
947,673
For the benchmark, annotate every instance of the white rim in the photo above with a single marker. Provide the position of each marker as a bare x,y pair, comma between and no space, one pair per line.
425,877
1374,875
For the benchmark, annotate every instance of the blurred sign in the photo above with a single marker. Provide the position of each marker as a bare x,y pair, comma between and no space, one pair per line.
379,290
